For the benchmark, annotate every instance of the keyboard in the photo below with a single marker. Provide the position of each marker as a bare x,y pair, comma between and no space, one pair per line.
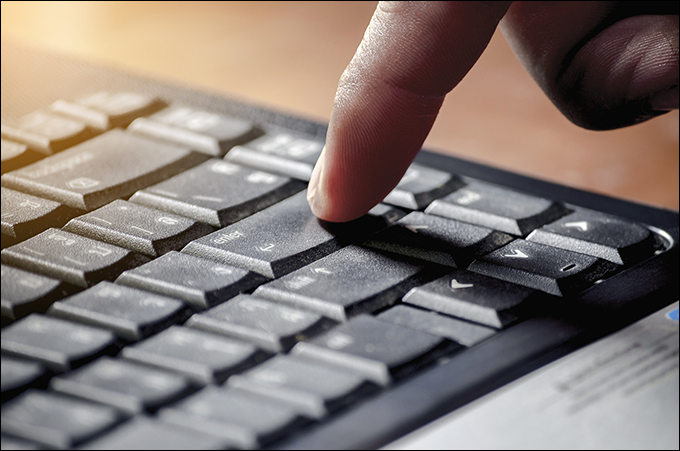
165,284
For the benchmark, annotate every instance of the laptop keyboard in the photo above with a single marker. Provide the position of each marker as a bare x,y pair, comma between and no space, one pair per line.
165,284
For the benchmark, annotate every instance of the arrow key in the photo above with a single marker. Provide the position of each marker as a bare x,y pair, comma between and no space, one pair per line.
600,235
475,297
546,268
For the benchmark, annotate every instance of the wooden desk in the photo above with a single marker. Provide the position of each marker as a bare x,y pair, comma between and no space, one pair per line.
289,56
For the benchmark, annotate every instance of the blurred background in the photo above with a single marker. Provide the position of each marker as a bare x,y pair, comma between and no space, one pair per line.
289,56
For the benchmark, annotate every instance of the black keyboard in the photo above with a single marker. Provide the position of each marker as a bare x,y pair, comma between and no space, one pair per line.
165,284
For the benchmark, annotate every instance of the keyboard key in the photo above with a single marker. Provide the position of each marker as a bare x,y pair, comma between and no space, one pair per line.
203,357
498,208
555,271
217,193
98,171
282,238
127,386
24,292
45,132
146,433
24,216
55,420
240,418
73,258
211,133
462,332
377,350
279,153
347,283
474,297
129,313
18,375
308,387
438,240
58,344
267,324
420,185
200,283
13,443
138,228
14,155
600,235
106,110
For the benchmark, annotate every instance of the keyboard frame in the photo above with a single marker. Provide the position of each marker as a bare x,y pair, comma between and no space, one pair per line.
597,312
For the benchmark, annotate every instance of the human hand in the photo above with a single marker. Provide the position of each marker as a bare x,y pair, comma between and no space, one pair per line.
605,65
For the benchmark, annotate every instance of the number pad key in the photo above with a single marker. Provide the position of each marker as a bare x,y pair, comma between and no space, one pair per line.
267,324
555,271
200,283
56,343
498,208
131,314
217,192
203,357
600,235
46,133
106,110
211,133
138,228
73,258
24,216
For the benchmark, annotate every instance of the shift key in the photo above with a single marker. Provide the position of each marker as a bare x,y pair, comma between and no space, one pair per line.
96,172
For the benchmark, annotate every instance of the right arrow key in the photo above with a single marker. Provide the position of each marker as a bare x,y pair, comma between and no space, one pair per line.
600,235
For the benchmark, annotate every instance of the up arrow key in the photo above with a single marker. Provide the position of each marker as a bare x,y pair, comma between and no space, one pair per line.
581,225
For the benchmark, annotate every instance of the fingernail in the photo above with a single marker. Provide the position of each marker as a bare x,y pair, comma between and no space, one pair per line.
665,100
315,193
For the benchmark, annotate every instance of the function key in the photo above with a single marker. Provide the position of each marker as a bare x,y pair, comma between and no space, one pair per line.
15,155
420,185
24,216
106,110
217,193
498,208
550,269
211,133
600,235
96,172
46,133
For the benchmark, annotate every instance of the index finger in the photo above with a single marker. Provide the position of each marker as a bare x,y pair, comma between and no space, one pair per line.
411,56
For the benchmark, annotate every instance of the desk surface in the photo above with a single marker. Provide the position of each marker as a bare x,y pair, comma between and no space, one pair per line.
289,56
